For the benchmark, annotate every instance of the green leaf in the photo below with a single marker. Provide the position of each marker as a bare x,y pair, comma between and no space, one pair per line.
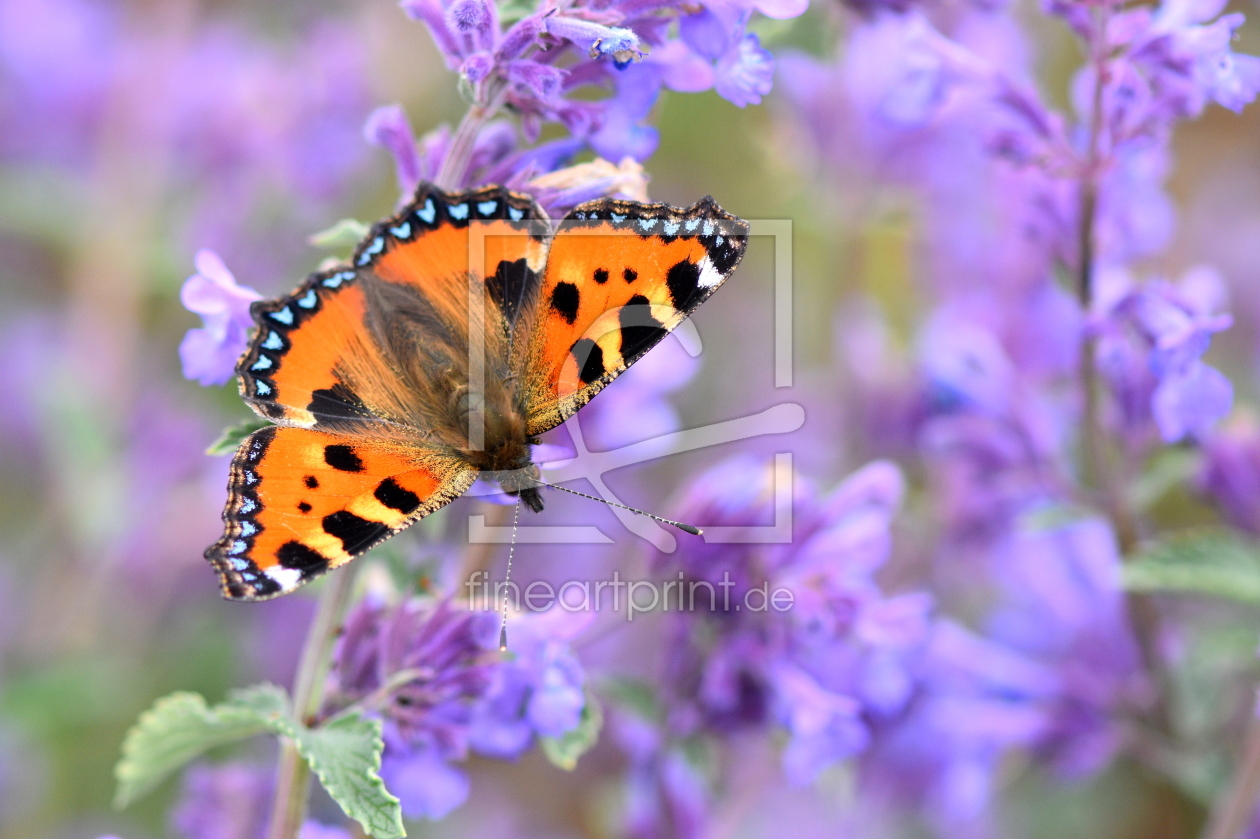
513,10
342,236
345,754
1220,563
565,750
234,435
179,727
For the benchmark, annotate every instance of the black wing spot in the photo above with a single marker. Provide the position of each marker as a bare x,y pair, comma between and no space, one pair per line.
311,482
601,275
356,534
389,493
630,275
565,300
299,557
304,507
639,329
683,280
337,402
342,458
589,358
510,286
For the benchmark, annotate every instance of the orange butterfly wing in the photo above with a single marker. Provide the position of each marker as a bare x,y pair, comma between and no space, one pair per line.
318,358
620,276
301,502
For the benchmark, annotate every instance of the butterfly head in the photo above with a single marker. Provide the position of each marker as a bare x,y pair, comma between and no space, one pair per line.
509,462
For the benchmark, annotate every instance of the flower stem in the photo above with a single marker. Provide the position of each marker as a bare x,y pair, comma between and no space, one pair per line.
1236,807
293,777
454,170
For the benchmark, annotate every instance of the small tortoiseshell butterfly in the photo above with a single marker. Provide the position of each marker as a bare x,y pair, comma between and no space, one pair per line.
464,326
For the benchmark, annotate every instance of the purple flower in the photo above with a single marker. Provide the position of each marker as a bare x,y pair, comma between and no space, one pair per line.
388,127
209,354
825,665
539,691
1231,471
427,785
228,801
1150,349
745,72
432,659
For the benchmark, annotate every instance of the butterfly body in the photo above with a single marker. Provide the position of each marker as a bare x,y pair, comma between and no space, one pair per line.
464,327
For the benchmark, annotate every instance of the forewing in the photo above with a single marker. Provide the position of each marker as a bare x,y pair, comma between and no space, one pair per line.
620,276
349,350
301,502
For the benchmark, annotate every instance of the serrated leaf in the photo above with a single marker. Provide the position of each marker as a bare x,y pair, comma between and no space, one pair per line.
180,726
345,754
1219,563
565,750
230,440
342,236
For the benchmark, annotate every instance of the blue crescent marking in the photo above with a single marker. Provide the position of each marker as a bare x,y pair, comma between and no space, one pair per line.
617,217
238,547
581,215
487,207
378,245
428,213
516,214
708,228
239,564
338,278
262,388
718,241
308,300
647,223
248,528
273,342
285,316
262,363
250,477
692,224
671,228
248,505
458,211
402,231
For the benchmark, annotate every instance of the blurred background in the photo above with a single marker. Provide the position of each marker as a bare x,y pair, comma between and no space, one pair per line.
134,133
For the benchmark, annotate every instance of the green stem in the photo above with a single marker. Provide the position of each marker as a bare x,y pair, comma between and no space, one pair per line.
293,777
459,153
1236,808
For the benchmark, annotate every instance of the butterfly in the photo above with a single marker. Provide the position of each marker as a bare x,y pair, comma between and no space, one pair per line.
462,328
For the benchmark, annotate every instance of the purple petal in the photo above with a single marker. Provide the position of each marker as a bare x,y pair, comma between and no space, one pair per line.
428,786
745,72
1190,403
388,126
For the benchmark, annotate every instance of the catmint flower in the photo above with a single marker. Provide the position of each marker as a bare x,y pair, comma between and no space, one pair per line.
539,691
621,44
1231,471
839,659
388,127
209,354
745,72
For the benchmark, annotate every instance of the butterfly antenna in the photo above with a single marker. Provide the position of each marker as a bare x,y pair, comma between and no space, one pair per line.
516,516
686,528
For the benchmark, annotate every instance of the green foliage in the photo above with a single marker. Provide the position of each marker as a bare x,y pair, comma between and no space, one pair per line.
342,236
234,435
345,753
179,727
1219,563
565,750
